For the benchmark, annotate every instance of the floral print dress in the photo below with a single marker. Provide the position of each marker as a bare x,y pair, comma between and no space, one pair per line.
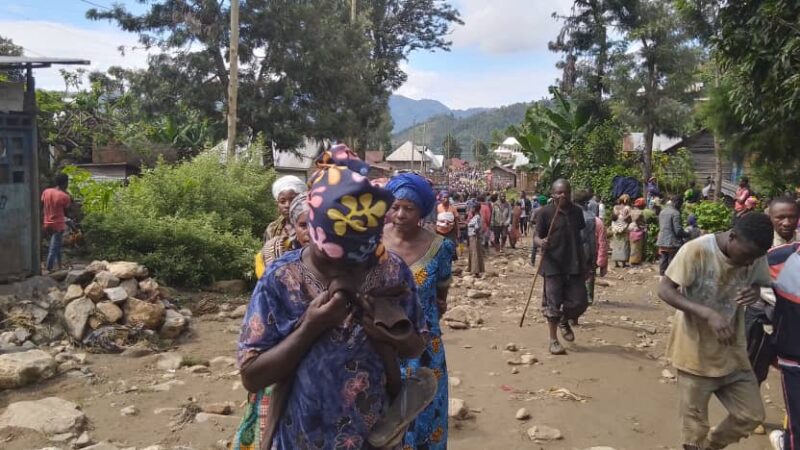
338,391
429,430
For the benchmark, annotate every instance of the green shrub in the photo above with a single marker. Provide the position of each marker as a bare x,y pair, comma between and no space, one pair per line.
94,196
191,223
712,217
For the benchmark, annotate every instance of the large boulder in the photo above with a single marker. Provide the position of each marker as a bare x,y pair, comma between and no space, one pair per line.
106,279
110,311
149,315
125,270
174,324
24,368
116,294
233,287
94,291
73,291
131,286
149,286
49,416
76,315
81,277
97,266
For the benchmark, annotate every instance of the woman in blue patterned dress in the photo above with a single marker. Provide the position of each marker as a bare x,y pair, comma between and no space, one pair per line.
322,353
430,258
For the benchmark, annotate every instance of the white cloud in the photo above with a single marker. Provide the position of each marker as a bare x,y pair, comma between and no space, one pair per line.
486,89
41,38
509,26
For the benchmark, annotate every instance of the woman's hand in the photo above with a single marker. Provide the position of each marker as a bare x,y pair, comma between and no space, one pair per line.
326,312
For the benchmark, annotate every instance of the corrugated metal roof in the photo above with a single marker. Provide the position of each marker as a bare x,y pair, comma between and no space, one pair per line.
22,61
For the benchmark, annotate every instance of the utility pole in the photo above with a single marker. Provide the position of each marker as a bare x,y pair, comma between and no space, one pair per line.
233,83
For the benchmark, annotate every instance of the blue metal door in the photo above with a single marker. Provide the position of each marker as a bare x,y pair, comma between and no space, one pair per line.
17,188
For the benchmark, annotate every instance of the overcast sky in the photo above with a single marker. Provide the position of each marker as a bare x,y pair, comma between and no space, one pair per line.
499,55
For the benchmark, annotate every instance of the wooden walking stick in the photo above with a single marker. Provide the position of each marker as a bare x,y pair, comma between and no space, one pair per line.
539,265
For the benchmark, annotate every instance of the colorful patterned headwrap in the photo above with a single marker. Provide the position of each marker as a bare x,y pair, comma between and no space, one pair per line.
414,188
639,203
346,212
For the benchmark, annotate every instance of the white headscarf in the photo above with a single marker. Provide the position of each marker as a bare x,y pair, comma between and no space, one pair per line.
288,183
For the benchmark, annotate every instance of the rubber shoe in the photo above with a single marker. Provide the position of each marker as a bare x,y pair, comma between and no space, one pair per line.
776,439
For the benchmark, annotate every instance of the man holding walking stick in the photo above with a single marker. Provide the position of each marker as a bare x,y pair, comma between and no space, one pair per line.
563,268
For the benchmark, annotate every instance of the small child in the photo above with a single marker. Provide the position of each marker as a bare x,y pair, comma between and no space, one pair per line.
692,231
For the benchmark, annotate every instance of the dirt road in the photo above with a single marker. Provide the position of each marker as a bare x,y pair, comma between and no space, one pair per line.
609,390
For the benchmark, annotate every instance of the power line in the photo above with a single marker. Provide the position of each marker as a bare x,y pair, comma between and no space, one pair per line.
95,4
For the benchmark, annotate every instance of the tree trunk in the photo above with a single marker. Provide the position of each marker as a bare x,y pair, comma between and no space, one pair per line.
717,168
648,152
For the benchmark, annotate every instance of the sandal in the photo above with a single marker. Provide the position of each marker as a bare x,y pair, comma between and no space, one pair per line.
556,348
417,393
566,331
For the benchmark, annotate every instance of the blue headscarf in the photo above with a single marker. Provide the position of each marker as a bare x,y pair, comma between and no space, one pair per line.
414,188
346,212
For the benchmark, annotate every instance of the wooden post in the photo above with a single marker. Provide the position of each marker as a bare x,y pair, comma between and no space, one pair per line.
233,83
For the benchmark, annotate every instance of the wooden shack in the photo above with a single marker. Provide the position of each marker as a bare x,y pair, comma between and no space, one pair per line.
701,149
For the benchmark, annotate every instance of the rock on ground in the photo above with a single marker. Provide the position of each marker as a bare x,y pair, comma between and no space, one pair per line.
463,314
458,409
131,286
149,286
544,433
111,311
522,414
169,361
475,294
48,416
76,315
129,411
150,315
73,291
217,418
97,266
125,270
23,368
81,277
102,446
94,291
174,324
116,294
106,279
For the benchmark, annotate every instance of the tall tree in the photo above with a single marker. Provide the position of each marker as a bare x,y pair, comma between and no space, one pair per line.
450,147
589,51
754,104
653,86
307,68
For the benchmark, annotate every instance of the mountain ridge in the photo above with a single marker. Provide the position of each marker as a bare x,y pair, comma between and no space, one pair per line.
406,111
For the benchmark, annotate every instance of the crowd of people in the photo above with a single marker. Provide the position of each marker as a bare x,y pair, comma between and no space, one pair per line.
341,345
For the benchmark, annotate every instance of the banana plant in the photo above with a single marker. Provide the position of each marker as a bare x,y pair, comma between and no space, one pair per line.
549,132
